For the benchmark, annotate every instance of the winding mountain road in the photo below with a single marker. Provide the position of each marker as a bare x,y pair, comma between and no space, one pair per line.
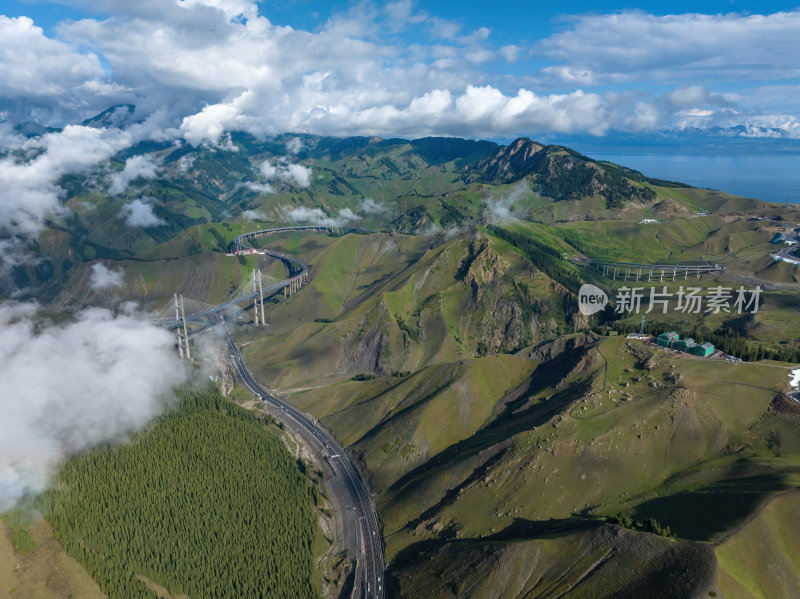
346,488
357,520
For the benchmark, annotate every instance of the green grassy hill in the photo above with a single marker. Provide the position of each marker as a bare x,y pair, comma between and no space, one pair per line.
409,186
513,448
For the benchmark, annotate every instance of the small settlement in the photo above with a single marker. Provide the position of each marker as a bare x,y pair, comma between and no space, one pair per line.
672,339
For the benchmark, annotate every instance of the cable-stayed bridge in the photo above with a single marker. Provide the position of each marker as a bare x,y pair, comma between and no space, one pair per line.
361,531
189,310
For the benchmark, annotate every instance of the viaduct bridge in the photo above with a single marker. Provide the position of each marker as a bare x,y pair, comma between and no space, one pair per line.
360,528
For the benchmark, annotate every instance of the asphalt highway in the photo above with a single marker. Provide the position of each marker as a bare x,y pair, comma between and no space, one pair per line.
355,517
347,490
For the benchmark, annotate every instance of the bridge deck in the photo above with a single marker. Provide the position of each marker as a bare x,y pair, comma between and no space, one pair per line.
240,246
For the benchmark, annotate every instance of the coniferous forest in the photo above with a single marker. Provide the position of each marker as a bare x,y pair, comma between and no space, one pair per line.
208,502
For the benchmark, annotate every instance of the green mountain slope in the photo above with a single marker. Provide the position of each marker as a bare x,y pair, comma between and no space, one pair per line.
513,448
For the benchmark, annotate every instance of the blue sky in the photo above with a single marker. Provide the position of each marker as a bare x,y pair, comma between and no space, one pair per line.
198,68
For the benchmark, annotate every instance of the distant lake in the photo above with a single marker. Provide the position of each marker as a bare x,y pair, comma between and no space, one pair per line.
769,177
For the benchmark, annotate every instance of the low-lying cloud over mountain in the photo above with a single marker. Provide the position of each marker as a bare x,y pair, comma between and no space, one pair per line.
105,278
315,216
138,213
29,190
136,167
70,387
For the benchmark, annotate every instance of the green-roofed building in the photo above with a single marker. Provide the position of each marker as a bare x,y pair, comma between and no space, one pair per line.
667,339
684,344
703,349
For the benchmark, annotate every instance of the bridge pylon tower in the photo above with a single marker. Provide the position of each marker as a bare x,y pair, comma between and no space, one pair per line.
185,332
261,299
178,329
255,300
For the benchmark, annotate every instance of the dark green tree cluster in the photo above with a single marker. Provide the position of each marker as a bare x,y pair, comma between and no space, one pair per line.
566,180
616,189
650,525
725,339
544,257
207,502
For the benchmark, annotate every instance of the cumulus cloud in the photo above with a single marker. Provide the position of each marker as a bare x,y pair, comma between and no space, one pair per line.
104,278
208,125
143,166
316,216
28,189
139,214
282,170
348,76
34,65
635,45
70,387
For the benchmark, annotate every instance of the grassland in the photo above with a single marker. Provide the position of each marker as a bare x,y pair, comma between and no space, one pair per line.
616,427
762,559
46,572
499,435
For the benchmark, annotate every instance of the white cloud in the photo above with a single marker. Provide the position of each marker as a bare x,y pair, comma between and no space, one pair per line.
645,117
295,145
637,45
370,206
355,75
139,214
316,216
283,171
208,125
185,163
28,190
510,53
254,215
570,75
35,65
70,387
444,28
104,278
402,12
502,209
143,166
258,187
299,174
